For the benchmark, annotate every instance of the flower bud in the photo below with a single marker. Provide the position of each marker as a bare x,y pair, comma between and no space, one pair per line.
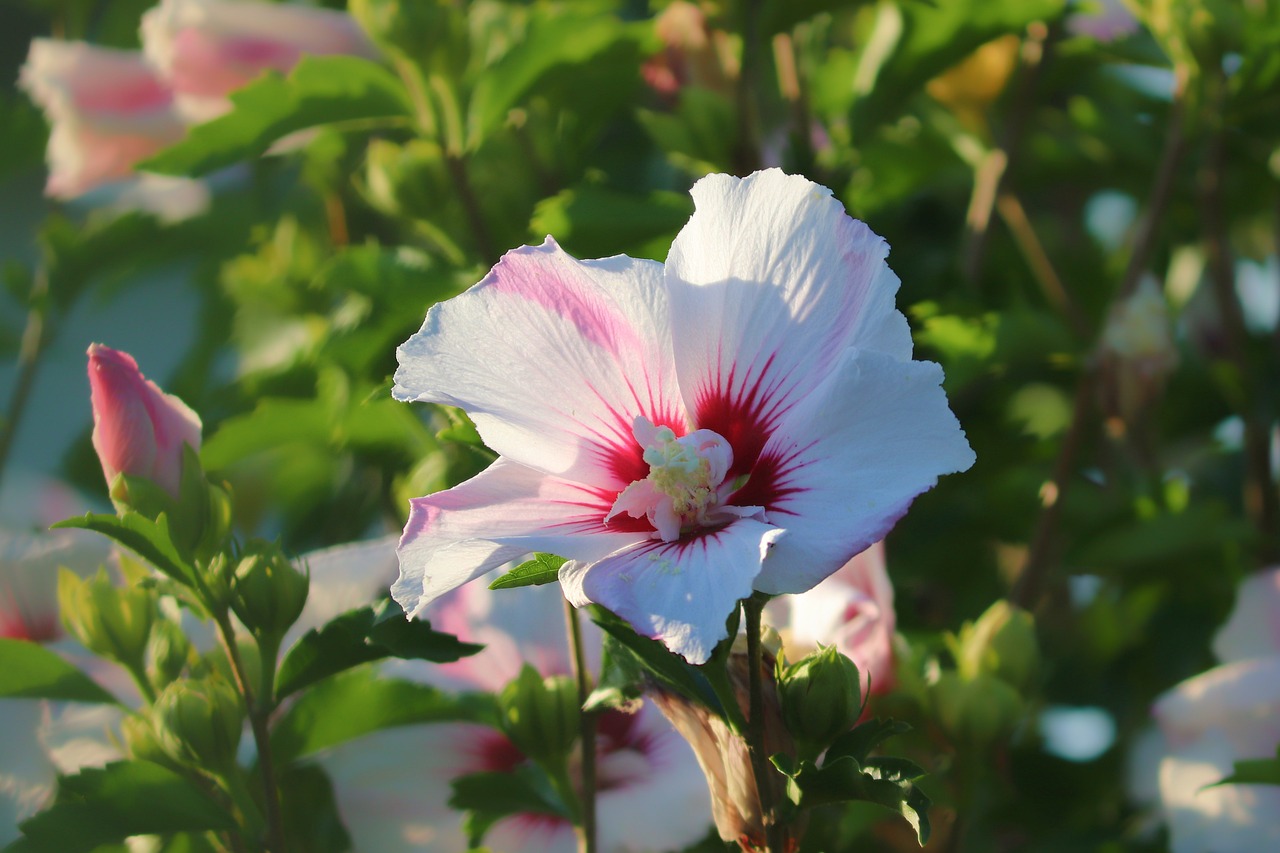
110,621
267,592
141,740
137,429
540,715
199,721
167,653
1002,643
975,711
820,699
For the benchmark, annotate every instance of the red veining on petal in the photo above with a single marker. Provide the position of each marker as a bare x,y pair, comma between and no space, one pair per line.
745,412
772,482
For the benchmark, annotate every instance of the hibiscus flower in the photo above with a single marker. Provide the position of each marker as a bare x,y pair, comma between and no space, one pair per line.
745,417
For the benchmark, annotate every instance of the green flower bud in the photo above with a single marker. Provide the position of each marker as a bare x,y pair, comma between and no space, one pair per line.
820,699
168,653
1002,642
199,721
540,715
267,592
112,622
975,711
142,742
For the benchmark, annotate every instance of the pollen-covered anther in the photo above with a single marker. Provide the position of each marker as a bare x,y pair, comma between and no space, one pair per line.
685,473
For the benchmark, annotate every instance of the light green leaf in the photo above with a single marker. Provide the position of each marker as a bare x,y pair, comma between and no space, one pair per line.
542,569
149,539
320,90
30,671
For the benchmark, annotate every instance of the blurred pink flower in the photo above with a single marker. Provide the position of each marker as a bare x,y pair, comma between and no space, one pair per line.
137,428
1230,713
852,610
107,109
392,787
747,416
206,49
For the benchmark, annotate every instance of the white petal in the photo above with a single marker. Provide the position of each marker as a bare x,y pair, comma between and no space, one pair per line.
680,592
1223,819
553,358
342,578
847,463
770,281
1253,630
1241,699
501,514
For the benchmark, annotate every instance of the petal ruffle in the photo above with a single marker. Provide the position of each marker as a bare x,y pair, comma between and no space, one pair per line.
679,592
770,282
501,514
847,463
553,358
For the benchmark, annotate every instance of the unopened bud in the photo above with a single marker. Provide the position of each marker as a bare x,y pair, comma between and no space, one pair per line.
167,653
267,592
975,711
820,699
199,721
540,715
142,742
1002,643
112,622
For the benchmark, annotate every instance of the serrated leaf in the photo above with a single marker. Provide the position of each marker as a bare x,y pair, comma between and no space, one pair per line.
310,812
360,702
149,539
858,742
621,684
320,90
542,569
488,797
361,636
884,781
100,805
30,671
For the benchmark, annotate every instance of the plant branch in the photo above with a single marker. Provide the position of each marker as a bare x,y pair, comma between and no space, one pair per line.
35,337
763,771
1015,218
586,732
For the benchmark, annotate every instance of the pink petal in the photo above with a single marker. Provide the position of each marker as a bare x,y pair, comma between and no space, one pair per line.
553,358
679,592
504,513
770,282
848,461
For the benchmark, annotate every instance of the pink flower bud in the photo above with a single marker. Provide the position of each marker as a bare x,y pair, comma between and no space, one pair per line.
107,110
137,429
207,49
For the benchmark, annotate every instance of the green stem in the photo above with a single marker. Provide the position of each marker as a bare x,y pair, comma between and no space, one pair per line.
587,732
258,713
35,337
765,775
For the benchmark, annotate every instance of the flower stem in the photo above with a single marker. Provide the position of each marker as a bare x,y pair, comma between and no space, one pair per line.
258,712
35,336
586,731
763,771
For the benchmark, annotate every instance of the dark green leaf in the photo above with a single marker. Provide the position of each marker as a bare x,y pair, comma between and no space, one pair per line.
1255,771
102,805
320,90
489,797
359,702
595,222
884,781
781,15
149,539
858,742
360,636
30,671
309,811
542,569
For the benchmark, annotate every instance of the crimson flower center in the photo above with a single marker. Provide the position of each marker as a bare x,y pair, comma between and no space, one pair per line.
685,487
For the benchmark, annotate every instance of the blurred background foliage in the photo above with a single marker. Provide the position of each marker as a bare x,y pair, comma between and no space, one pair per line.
1033,164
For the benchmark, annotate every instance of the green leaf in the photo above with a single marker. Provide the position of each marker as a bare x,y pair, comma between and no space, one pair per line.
359,702
360,636
669,670
310,812
914,42
595,222
30,671
858,742
320,90
542,569
489,797
778,16
149,539
551,41
1254,771
101,805
622,680
884,781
